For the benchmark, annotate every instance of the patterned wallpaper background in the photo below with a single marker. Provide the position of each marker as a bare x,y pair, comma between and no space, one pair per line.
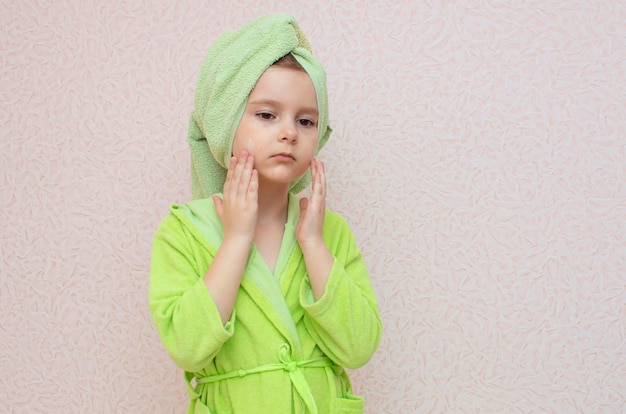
479,154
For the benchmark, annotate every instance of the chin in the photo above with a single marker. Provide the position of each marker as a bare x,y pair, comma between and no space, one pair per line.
274,180
281,177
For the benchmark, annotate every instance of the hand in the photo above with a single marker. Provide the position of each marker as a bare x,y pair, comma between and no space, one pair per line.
237,209
309,230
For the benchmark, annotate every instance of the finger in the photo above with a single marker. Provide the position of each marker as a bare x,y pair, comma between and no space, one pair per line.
313,175
318,180
237,173
318,193
253,188
322,180
219,206
229,175
245,178
304,204
313,167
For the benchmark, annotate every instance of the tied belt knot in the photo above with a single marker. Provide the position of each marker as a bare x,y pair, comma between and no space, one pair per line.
287,363
284,356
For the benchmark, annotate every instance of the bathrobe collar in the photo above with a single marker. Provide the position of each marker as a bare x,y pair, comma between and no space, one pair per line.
265,289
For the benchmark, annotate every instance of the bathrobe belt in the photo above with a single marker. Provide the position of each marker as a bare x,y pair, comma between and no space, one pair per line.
287,364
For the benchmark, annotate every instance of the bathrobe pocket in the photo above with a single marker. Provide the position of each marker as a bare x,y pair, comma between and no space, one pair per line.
199,408
350,404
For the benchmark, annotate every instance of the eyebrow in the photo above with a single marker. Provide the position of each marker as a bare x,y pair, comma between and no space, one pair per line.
273,102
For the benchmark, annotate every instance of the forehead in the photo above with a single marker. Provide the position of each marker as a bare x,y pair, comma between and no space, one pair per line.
285,85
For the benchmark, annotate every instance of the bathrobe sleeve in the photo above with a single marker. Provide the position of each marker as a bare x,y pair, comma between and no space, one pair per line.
344,322
182,308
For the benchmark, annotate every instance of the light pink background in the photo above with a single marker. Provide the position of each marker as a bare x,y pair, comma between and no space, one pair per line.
479,154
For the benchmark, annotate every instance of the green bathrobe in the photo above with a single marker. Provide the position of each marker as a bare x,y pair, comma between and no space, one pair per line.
280,352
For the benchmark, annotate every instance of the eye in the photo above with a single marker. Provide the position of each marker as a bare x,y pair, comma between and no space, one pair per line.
265,115
306,122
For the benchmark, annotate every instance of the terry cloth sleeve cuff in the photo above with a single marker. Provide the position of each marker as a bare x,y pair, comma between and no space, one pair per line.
307,299
343,322
207,310
180,304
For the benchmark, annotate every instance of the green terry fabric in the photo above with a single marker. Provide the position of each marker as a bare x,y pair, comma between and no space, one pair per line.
230,70
271,310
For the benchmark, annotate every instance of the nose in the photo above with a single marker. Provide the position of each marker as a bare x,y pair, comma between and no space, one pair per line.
288,132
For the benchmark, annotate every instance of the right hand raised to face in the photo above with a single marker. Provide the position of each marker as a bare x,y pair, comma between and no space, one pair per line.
238,207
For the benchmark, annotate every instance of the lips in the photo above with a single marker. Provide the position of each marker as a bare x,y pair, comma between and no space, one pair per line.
284,156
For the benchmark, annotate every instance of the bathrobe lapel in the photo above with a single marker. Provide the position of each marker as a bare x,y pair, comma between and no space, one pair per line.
264,290
267,290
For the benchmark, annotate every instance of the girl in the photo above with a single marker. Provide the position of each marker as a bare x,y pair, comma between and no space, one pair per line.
261,297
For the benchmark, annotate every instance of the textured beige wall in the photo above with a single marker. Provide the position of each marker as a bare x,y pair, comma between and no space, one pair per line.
479,154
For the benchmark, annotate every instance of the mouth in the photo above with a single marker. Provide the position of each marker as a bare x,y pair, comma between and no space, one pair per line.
284,156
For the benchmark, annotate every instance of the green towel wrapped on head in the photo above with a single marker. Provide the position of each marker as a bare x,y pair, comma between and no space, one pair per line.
229,72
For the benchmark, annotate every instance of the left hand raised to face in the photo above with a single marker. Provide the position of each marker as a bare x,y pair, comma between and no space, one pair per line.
313,209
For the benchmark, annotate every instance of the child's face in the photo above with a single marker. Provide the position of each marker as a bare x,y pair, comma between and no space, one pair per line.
279,125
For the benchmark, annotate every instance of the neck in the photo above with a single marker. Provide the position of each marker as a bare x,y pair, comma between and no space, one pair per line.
272,204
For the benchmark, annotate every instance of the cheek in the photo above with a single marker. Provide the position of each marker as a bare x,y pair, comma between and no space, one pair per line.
241,143
313,145
303,169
